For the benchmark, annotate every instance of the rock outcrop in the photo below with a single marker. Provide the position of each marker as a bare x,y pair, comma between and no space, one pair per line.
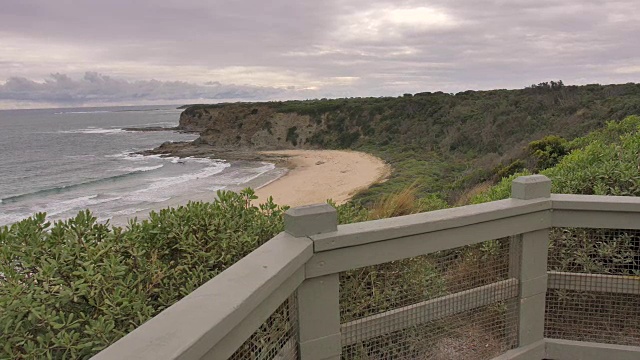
257,127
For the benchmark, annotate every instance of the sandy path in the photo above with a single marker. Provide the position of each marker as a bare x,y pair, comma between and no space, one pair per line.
318,175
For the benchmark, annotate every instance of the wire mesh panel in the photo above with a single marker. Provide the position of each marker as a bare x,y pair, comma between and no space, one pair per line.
454,304
594,286
276,339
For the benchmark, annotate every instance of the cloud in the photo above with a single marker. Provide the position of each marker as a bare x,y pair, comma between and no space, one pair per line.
393,22
306,48
95,88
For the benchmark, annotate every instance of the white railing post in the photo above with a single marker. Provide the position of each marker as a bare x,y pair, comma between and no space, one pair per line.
318,298
529,263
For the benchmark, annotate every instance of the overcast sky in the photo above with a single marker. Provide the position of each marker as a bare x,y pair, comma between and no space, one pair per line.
92,52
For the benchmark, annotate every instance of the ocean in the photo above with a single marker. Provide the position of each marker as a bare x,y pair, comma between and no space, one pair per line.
61,161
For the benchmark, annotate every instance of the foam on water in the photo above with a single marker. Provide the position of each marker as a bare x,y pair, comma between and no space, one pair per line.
266,167
82,112
140,169
215,188
165,182
192,160
105,174
114,214
127,155
245,175
138,197
77,186
8,219
129,211
77,204
80,157
91,130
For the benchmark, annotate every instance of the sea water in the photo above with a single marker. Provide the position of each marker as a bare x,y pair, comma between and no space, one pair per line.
61,161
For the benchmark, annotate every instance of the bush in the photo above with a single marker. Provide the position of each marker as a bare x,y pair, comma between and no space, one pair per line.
606,164
508,170
292,135
69,289
548,151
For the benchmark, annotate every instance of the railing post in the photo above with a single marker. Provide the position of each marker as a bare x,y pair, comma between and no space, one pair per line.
529,263
318,298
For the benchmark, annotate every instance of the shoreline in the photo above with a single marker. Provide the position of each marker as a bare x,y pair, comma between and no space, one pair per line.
300,177
315,176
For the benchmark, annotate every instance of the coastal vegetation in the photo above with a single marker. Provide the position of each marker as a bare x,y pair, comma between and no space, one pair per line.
447,143
69,289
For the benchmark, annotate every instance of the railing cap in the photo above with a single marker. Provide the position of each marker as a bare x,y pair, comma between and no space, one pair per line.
310,220
531,187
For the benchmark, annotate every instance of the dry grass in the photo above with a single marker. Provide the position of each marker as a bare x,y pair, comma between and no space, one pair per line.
403,202
593,316
468,343
478,266
473,335
466,196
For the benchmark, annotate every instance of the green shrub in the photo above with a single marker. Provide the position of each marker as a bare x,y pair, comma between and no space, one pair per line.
69,289
508,170
350,212
606,164
548,151
292,135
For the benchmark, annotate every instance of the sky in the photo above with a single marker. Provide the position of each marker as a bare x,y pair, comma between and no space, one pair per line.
65,53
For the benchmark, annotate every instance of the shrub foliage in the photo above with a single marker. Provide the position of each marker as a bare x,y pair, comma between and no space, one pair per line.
605,162
69,289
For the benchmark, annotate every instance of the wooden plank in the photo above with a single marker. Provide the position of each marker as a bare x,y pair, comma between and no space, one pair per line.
595,219
595,203
595,211
531,187
402,226
238,335
192,326
618,284
434,309
342,259
533,261
535,351
319,318
581,350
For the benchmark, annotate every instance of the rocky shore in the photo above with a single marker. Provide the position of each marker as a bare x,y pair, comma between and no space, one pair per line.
237,133
191,149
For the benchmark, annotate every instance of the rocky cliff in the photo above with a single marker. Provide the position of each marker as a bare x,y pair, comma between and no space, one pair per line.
467,125
256,126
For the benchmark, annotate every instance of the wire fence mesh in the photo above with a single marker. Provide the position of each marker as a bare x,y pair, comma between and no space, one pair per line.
454,304
594,286
277,337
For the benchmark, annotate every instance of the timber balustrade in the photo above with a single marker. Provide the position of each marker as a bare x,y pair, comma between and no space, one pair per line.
284,299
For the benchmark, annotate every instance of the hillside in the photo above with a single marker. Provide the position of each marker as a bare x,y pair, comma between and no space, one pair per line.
604,162
103,281
446,142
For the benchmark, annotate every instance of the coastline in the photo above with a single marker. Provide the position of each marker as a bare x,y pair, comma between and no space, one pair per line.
199,195
318,175
301,177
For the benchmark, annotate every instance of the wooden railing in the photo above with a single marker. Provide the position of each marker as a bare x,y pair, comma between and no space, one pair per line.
306,260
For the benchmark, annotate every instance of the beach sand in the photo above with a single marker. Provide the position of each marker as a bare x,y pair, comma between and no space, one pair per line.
318,175
303,177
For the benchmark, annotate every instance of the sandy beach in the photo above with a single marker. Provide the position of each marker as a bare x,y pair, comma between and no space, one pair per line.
309,177
318,175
